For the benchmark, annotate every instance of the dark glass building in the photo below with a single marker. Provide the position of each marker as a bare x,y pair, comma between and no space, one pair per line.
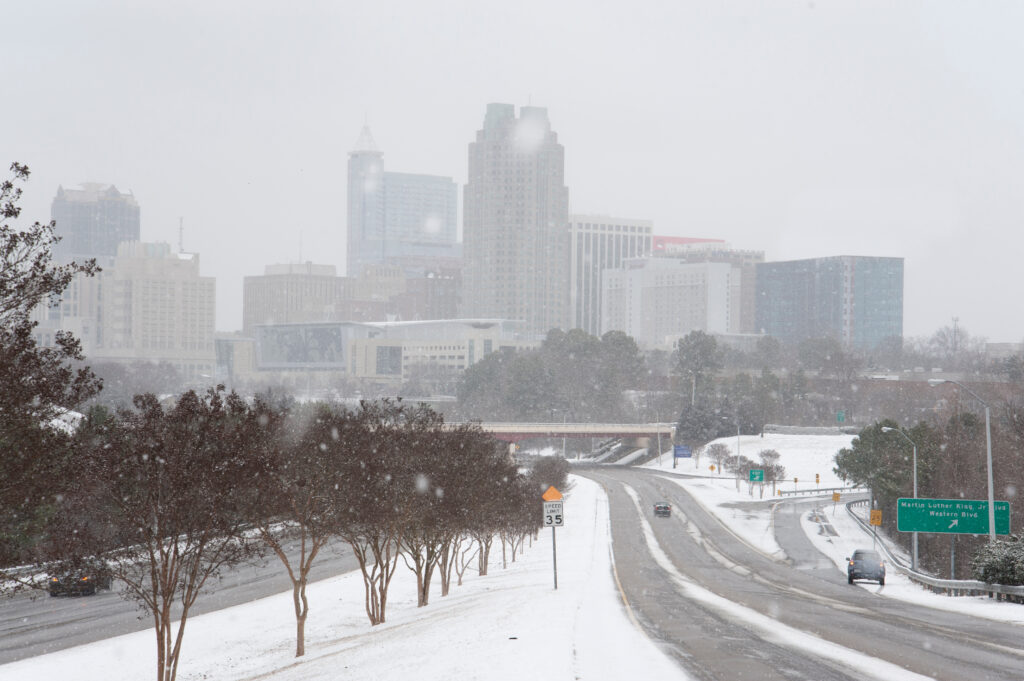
93,220
858,300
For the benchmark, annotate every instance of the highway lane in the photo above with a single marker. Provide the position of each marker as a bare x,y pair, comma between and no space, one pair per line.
727,611
35,624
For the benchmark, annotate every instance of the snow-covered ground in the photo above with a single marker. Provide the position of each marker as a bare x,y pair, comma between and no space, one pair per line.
510,624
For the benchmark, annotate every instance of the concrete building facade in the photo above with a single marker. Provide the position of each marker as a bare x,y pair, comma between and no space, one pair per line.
744,265
658,300
384,354
147,305
516,222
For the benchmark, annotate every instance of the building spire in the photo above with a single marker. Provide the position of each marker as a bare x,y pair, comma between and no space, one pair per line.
365,142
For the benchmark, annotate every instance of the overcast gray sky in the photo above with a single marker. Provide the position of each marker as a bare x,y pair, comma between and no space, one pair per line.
803,129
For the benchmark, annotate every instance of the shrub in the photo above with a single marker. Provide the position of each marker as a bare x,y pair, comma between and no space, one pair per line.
1001,562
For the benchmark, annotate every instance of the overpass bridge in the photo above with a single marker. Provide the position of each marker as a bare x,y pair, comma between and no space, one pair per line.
514,432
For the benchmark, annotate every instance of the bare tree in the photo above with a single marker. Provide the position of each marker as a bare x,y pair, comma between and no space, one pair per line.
718,454
774,472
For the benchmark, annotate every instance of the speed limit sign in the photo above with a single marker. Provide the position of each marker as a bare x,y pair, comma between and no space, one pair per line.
553,514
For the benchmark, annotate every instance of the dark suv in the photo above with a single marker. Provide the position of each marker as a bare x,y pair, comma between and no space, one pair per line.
662,509
865,565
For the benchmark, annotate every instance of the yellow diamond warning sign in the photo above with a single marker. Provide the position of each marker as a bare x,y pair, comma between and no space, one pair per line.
551,494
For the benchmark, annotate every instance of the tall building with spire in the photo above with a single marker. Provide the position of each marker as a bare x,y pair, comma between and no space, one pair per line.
516,222
406,220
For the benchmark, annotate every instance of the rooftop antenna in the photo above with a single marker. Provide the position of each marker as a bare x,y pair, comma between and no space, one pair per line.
181,235
300,247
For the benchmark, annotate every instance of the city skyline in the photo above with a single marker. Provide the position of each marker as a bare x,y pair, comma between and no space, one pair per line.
801,130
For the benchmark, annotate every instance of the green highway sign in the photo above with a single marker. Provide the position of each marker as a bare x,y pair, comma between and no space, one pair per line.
756,475
951,516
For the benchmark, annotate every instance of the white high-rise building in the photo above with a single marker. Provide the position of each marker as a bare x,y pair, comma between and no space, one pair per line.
597,243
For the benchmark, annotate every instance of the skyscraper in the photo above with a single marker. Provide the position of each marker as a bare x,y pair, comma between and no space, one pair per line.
93,220
516,222
365,204
857,300
404,219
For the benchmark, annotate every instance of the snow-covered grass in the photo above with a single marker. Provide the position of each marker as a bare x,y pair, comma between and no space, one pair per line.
803,456
509,624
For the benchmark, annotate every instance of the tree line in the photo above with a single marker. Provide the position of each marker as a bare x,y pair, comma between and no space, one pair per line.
162,498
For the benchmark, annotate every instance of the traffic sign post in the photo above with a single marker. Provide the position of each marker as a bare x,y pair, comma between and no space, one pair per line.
950,516
553,517
680,452
876,521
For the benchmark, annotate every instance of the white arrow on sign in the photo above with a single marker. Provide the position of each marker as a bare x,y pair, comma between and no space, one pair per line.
954,523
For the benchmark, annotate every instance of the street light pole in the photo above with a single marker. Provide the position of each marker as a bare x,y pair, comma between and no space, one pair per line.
988,449
737,469
886,429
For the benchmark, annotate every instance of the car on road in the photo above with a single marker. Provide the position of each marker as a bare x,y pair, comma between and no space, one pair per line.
77,584
662,509
865,564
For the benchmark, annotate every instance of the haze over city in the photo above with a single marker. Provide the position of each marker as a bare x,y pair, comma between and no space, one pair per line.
802,129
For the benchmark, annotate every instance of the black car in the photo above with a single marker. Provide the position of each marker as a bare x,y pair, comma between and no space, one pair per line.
865,564
79,584
662,509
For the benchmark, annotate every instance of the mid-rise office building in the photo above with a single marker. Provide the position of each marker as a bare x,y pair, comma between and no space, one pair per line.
147,305
597,243
858,300
155,306
388,354
93,220
516,222
744,265
297,292
658,300
404,219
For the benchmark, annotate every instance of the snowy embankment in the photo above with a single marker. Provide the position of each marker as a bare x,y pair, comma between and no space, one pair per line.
510,624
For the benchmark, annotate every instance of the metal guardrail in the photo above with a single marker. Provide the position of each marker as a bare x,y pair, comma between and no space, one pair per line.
820,490
952,587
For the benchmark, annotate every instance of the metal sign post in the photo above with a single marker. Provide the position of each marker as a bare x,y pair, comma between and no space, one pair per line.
553,517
